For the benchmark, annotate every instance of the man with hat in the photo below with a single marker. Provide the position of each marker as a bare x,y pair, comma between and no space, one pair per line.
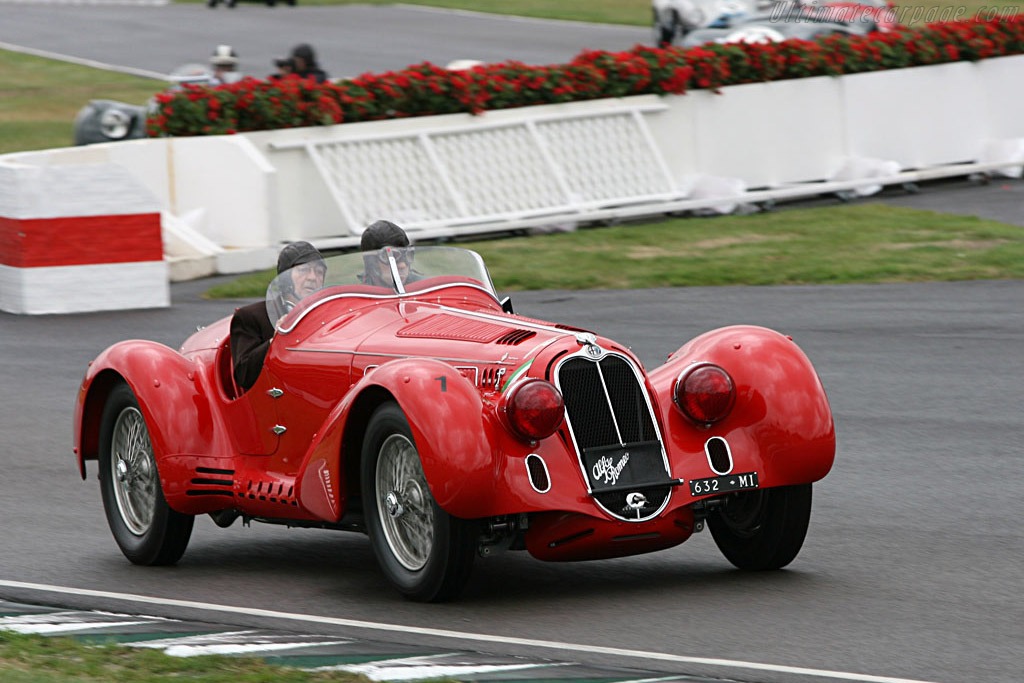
251,327
224,66
378,235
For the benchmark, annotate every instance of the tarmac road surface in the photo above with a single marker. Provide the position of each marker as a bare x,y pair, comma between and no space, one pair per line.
911,568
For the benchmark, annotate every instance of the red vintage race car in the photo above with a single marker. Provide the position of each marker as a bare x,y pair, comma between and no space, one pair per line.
429,416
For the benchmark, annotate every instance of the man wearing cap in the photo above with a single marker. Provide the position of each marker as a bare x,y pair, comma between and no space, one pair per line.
251,327
378,235
303,63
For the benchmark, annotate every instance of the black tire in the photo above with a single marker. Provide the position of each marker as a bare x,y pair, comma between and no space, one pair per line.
763,529
145,528
211,3
424,552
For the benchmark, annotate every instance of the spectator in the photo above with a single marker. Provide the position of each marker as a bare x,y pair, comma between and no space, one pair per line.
224,66
285,67
304,63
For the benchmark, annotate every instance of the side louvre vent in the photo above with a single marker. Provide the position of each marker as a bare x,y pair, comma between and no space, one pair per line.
210,481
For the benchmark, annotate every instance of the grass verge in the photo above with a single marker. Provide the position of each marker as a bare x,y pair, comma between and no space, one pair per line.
39,98
45,659
867,243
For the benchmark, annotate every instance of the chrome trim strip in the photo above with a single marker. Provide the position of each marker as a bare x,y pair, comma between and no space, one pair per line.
547,473
728,452
396,296
397,355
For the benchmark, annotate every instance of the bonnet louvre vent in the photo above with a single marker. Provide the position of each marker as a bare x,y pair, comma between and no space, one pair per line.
516,337
456,328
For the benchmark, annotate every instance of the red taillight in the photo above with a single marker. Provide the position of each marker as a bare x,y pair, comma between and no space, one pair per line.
534,409
705,393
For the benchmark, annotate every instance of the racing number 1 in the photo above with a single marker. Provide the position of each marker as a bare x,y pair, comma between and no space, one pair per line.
444,382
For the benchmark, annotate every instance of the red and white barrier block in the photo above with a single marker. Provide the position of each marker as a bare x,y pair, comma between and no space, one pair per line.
75,238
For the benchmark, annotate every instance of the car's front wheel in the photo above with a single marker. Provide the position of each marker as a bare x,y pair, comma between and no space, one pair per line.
425,552
146,529
762,529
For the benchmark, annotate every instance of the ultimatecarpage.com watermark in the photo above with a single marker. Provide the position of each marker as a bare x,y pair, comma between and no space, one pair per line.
909,14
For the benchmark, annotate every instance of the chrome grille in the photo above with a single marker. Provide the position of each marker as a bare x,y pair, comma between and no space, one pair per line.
615,433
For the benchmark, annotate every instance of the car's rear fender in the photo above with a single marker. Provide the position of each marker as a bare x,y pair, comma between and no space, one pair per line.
781,425
446,415
168,389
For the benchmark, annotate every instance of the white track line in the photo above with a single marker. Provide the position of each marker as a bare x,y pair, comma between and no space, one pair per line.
444,633
11,47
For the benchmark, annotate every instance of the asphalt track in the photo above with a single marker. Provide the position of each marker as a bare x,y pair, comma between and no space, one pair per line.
911,569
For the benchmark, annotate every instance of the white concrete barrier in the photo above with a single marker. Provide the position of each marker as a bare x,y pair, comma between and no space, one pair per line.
230,201
84,237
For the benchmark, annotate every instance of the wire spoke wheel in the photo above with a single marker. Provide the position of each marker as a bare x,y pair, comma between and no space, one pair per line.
133,471
404,503
146,529
423,551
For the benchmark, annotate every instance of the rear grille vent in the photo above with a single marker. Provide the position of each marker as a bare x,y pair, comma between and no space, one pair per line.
615,434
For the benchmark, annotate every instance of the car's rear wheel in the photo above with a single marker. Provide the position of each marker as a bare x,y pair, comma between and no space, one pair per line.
146,529
763,529
426,553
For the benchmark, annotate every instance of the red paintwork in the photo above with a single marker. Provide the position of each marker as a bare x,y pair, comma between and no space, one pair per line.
338,358
71,240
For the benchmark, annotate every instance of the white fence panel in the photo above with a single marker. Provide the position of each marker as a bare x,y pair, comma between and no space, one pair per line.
494,169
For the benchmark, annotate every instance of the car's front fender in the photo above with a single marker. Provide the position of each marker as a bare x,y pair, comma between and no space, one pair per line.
781,425
447,416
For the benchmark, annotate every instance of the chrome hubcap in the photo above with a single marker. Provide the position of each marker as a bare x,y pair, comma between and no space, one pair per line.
404,503
133,471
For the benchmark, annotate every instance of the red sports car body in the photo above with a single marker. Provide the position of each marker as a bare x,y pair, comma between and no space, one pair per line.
428,416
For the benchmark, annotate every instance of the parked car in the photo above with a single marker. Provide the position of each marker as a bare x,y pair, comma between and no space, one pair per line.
112,120
674,19
802,20
429,416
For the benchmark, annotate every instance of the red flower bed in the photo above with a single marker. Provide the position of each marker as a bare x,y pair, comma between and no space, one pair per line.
426,89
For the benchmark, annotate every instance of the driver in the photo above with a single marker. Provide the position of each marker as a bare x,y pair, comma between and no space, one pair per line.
251,328
376,237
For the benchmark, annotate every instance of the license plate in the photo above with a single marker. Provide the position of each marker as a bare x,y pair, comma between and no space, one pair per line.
730,482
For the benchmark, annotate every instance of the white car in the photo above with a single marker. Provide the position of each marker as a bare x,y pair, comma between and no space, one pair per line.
673,19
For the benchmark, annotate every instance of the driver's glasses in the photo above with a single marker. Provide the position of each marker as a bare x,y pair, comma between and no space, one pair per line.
401,254
307,269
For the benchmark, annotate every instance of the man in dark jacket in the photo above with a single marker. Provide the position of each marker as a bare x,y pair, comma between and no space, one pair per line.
251,327
304,63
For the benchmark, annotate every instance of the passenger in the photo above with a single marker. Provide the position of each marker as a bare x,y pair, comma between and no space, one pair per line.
251,327
382,234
